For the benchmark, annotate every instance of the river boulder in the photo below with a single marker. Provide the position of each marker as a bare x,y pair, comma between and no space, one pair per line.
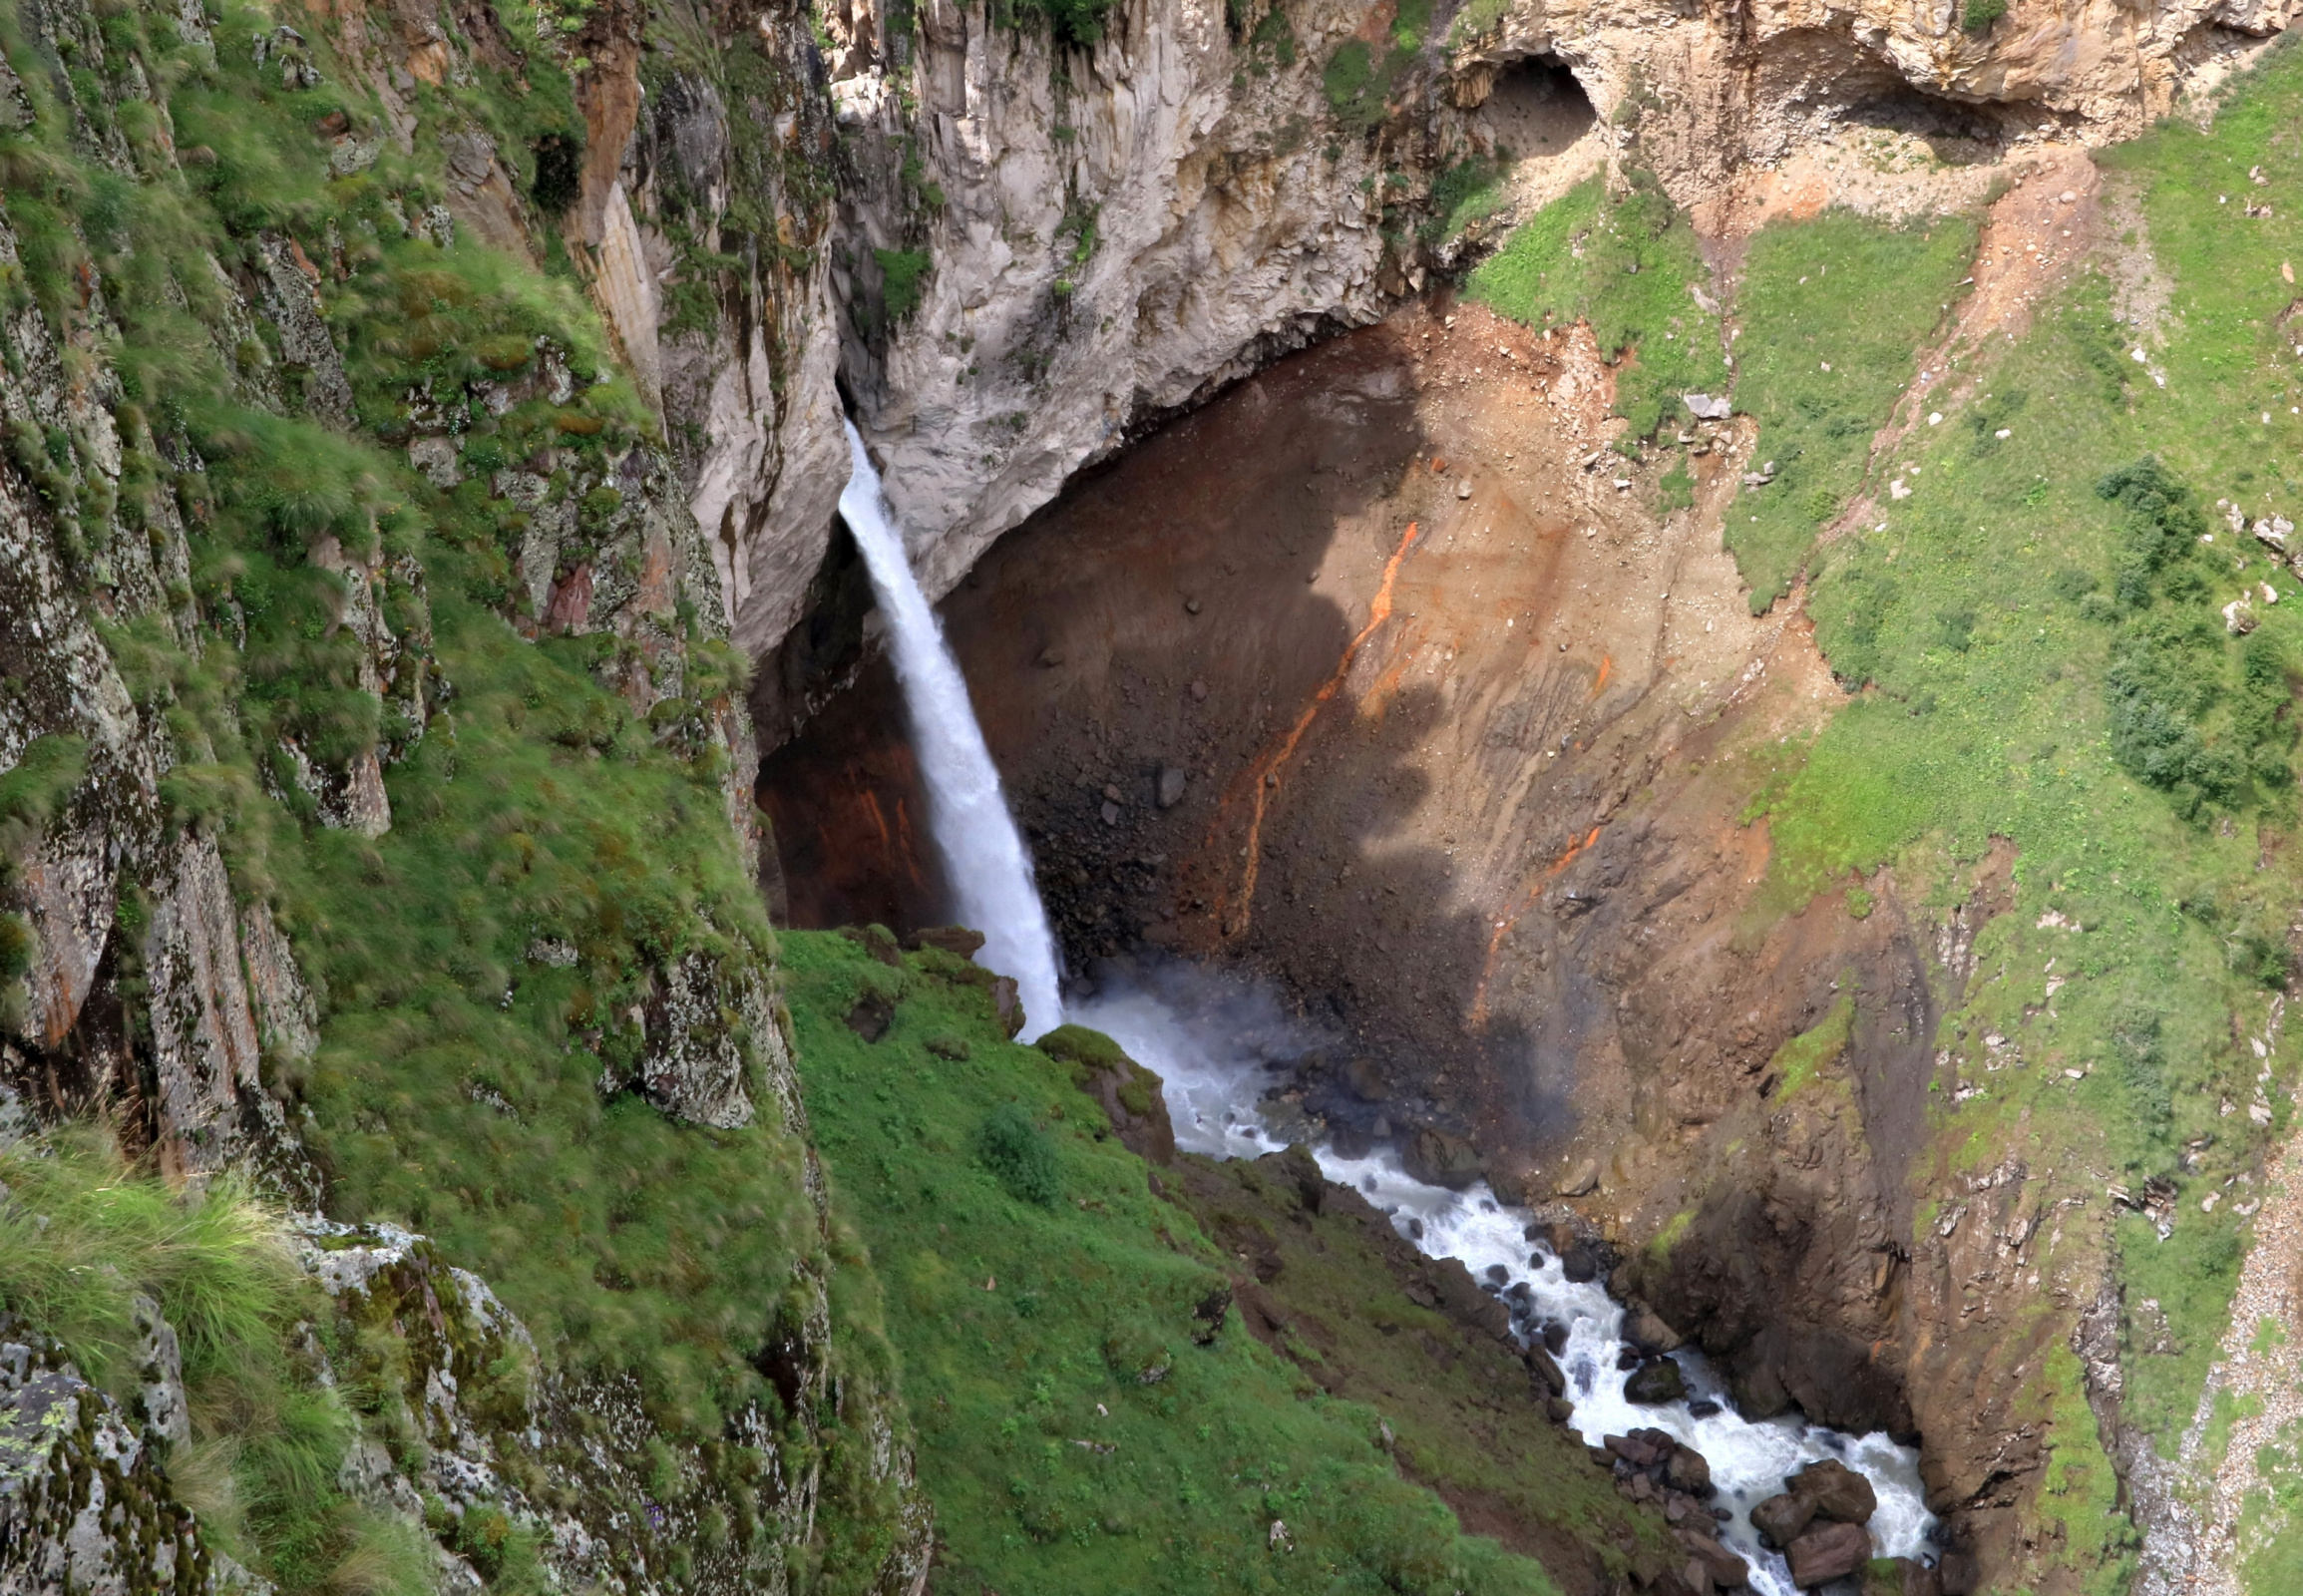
1442,1158
1721,1566
1654,1384
1840,1494
1826,1554
1689,1470
1782,1520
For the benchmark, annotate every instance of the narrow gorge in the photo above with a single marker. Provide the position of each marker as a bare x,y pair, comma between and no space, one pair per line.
1116,795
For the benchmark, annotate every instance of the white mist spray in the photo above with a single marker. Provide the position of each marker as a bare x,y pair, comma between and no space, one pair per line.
983,856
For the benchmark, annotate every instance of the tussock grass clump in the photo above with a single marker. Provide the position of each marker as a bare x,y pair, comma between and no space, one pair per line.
82,1237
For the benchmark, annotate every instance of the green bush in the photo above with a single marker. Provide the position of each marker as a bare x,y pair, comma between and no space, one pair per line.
1977,16
1019,1153
901,274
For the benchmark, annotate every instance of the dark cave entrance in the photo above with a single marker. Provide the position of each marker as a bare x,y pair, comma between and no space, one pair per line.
1535,108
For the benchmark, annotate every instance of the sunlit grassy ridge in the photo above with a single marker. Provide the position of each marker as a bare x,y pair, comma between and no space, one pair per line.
1091,1416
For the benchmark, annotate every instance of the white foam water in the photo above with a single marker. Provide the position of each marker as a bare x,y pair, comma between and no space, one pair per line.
1213,1094
984,855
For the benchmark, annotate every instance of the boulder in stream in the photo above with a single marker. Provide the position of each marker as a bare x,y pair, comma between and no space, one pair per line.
1839,1493
1689,1470
1724,1569
1782,1520
1826,1554
1442,1158
1656,1382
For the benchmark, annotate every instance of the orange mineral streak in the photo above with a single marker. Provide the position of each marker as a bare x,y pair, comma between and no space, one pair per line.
1502,927
1607,664
878,819
1264,774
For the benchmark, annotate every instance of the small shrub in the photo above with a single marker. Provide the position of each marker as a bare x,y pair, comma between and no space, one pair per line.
901,272
1019,1153
1977,16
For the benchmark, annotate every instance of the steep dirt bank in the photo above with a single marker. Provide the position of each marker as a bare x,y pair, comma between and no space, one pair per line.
1457,737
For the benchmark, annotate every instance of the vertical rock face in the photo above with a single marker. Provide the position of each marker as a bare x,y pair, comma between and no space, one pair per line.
1049,243
143,977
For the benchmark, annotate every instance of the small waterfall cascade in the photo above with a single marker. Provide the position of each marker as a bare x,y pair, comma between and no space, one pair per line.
983,854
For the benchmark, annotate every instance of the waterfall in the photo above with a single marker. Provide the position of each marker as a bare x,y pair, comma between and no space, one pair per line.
1203,1044
984,855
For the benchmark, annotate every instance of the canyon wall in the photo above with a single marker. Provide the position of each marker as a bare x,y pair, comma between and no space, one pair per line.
1010,246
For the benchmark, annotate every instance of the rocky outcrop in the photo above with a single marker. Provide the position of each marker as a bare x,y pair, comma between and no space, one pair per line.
85,1504
475,1424
1044,241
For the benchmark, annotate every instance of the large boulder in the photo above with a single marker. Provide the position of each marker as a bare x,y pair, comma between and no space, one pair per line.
1829,1552
1724,1569
1689,1470
1656,1383
1442,1158
1782,1520
1839,1493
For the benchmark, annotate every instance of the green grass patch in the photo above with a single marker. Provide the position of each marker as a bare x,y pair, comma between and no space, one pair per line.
82,1237
1807,1059
1622,263
1092,1416
1832,312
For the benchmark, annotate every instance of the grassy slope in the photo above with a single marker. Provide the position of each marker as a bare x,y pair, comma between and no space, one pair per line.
455,1086
1858,299
2001,652
1622,263
1026,1330
2010,685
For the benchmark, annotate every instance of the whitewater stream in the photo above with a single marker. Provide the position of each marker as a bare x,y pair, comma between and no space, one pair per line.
1211,1042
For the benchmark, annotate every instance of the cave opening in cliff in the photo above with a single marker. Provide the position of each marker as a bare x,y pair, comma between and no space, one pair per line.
1955,132
1536,108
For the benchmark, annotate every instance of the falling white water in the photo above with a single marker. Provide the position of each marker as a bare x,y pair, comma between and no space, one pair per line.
1186,1025
983,856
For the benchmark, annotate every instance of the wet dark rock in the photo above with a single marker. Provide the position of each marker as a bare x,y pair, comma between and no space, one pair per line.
1546,1372
1702,1407
1654,1384
1442,1159
1838,1492
957,941
1832,1553
1687,1470
1627,1358
1555,1337
1498,1273
1647,1331
1721,1566
1559,1410
1781,1519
